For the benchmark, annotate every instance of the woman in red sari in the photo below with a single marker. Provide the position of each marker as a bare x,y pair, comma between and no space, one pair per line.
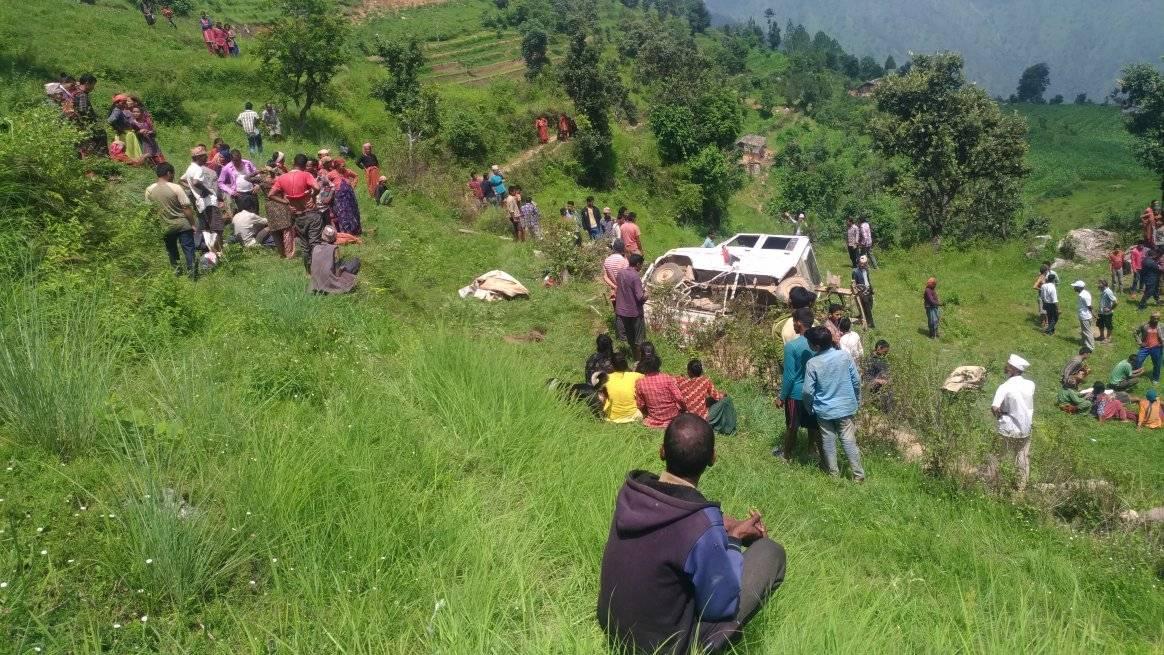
371,165
220,39
563,127
543,126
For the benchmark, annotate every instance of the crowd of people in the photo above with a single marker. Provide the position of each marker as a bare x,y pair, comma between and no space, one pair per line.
310,208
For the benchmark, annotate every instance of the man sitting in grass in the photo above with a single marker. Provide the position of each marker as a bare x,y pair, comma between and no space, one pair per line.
675,573
1124,375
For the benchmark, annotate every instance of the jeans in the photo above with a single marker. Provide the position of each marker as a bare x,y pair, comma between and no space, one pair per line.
1135,281
1155,353
186,238
594,233
933,315
1052,309
764,565
255,142
309,234
1117,278
1086,334
846,429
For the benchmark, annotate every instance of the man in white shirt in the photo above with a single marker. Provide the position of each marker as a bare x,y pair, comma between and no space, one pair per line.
1049,294
248,120
202,182
1014,407
250,228
1086,334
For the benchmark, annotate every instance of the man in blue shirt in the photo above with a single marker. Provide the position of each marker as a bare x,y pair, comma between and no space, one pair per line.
832,385
796,414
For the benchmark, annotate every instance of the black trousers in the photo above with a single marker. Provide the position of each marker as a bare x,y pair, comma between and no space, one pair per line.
635,331
1052,309
309,229
854,254
764,566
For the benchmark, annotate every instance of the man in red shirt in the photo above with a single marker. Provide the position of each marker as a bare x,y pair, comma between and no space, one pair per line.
631,236
1137,257
657,394
697,388
297,189
1116,260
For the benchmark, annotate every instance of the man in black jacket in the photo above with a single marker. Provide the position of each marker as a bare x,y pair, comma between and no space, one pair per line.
674,572
591,219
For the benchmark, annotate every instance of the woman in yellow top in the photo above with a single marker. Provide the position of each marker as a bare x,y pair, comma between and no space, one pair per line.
620,405
1151,413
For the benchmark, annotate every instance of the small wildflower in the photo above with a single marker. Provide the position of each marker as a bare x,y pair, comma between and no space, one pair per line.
39,530
252,582
149,561
3,585
144,618
116,626
44,552
274,559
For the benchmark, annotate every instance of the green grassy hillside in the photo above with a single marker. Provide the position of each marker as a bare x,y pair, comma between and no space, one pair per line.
258,470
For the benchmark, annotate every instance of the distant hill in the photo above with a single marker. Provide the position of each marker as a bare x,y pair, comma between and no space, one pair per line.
1085,42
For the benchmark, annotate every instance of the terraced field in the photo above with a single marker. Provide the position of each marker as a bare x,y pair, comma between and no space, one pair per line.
477,59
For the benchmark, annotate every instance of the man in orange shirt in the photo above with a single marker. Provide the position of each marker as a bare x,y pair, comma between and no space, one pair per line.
1116,259
1148,338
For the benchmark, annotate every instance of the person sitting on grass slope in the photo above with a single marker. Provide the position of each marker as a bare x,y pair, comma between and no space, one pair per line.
1106,407
620,404
657,394
675,574
705,401
1124,375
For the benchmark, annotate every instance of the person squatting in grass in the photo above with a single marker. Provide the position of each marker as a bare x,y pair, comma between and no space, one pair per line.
1125,375
676,572
832,388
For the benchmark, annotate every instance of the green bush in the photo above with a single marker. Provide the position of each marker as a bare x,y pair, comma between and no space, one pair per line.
464,137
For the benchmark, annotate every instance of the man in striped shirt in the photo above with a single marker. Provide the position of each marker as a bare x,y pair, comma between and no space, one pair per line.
249,122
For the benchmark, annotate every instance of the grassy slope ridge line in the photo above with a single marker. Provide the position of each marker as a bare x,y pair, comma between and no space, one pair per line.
384,472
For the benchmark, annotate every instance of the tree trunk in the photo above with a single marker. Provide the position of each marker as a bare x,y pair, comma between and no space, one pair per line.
307,103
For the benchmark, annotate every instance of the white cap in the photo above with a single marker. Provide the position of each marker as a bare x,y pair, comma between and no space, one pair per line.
1018,362
1078,284
863,260
1109,392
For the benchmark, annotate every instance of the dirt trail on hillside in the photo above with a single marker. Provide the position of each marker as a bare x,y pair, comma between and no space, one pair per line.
527,155
379,6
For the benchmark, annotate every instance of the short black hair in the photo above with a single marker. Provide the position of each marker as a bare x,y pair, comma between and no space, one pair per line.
694,368
235,152
1097,389
688,446
604,344
800,297
845,324
881,343
835,308
819,337
650,364
635,259
163,169
88,78
300,160
804,317
618,361
631,216
589,198
248,106
569,202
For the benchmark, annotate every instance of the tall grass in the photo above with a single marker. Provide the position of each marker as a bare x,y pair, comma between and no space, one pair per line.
56,371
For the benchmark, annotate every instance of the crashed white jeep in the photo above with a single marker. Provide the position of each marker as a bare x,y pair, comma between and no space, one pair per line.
699,284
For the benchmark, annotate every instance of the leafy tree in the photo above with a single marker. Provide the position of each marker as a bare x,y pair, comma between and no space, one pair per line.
1057,100
698,16
719,178
718,117
890,64
674,128
965,158
796,38
403,62
732,54
850,66
1140,92
1033,83
294,63
1081,99
594,87
773,35
534,41
462,133
420,120
870,69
